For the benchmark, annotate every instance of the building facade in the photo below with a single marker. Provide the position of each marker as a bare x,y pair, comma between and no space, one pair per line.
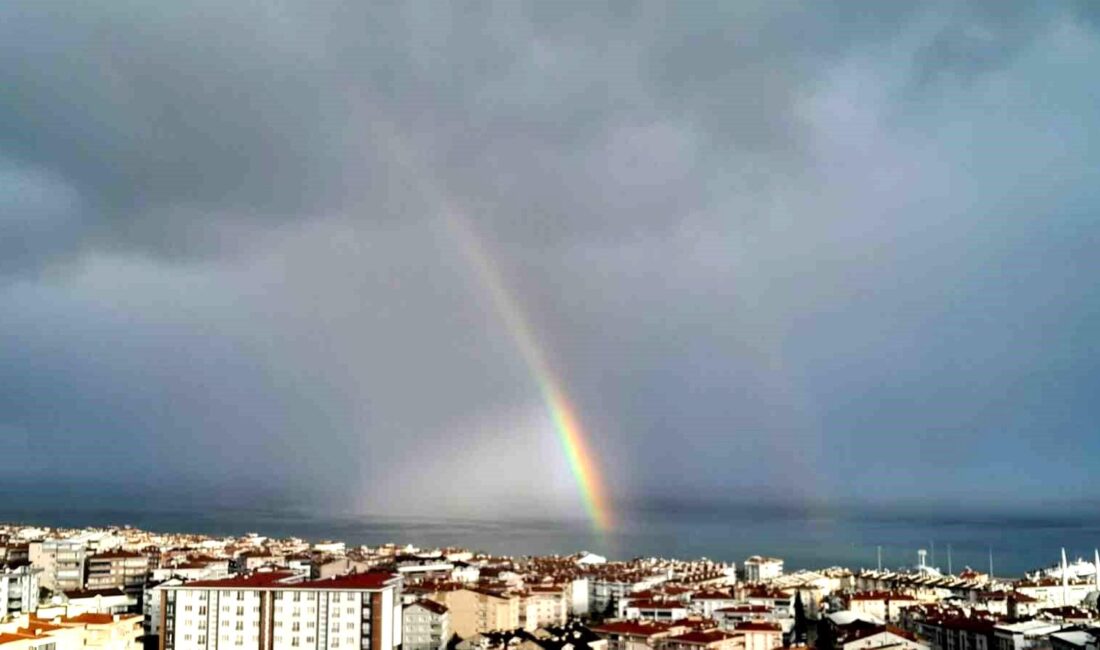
18,590
125,570
280,611
426,625
61,561
760,569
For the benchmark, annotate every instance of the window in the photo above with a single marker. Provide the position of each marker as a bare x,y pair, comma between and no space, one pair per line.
294,642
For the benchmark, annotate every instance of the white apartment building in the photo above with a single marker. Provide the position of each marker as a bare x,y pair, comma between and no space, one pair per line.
543,607
18,590
761,569
280,611
578,597
426,625
607,593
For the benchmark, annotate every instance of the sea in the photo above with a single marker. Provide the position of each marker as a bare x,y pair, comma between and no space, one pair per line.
1014,544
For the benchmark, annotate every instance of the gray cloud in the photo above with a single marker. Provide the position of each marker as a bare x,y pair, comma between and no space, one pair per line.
756,242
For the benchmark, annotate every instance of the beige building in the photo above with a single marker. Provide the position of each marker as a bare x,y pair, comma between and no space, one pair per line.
83,632
760,635
61,561
475,610
125,570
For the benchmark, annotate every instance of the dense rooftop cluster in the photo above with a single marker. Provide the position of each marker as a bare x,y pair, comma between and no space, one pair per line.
56,580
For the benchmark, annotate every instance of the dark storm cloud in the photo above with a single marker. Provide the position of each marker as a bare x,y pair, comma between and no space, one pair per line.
758,241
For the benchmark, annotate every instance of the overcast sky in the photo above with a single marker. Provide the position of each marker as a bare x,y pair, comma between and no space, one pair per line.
812,251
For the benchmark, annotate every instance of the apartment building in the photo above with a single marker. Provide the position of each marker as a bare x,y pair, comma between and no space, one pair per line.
62,632
426,625
760,569
544,607
281,611
61,561
125,570
18,590
478,610
704,640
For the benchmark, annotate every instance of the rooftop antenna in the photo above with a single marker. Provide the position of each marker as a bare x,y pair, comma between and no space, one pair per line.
879,558
949,571
932,544
922,557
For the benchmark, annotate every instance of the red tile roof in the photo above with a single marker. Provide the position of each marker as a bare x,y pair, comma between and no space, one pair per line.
746,609
97,619
632,628
656,604
703,637
281,580
92,593
430,605
370,580
252,581
758,626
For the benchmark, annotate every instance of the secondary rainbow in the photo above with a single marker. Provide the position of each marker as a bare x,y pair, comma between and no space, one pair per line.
582,462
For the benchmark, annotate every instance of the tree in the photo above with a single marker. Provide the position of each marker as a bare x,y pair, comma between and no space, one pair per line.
800,624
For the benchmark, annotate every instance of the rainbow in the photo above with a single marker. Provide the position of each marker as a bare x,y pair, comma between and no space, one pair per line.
582,462
570,433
